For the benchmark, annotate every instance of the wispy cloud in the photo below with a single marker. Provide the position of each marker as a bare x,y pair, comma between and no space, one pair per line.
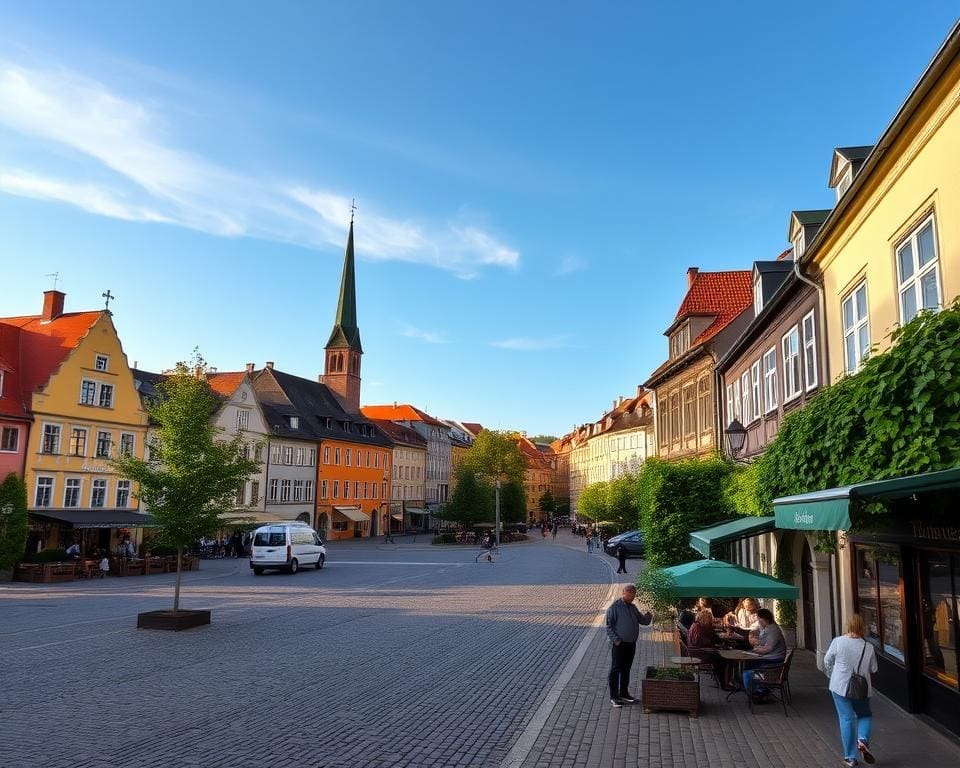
532,344
568,265
431,337
124,166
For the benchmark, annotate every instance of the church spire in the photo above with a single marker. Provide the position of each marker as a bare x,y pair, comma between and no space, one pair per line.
345,332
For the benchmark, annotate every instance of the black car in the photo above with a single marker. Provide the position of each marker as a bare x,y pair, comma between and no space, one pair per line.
632,541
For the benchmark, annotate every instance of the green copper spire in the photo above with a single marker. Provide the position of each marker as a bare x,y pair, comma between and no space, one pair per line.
345,331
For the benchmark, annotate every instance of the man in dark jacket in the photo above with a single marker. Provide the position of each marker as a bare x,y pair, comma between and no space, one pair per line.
622,557
623,622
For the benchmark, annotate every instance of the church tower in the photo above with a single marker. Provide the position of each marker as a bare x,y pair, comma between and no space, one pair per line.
341,371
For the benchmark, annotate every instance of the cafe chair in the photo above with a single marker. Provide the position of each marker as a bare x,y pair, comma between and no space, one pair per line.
773,679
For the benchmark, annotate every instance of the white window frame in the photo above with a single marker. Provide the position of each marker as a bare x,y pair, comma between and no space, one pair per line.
288,455
308,490
757,293
48,488
43,438
84,391
106,363
274,489
96,448
770,381
101,389
7,429
301,453
730,414
86,438
799,245
737,401
93,490
854,330
745,411
243,419
845,182
298,490
913,282
792,375
133,444
123,487
67,487
809,341
756,386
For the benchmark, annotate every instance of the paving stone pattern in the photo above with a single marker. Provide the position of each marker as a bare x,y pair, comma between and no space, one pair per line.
387,665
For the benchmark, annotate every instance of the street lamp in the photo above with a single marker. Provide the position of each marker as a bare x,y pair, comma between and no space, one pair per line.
736,437
496,530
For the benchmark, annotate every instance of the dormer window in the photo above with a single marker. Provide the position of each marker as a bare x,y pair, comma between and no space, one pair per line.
799,244
757,293
680,341
294,422
845,181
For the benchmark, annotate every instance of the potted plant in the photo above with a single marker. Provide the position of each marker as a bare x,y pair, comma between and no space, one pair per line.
189,480
664,687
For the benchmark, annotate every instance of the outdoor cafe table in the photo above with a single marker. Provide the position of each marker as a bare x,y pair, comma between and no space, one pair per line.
740,657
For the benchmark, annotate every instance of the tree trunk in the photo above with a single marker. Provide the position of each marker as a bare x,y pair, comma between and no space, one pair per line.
176,590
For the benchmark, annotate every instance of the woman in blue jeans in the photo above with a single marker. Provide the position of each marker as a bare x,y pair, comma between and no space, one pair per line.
847,655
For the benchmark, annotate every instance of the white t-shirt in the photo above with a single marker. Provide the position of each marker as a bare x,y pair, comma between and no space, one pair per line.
842,659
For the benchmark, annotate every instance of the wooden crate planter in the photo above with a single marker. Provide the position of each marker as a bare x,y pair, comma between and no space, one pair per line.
175,621
674,694
156,565
30,572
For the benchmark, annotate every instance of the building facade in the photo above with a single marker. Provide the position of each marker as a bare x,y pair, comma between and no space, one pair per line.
407,502
15,416
713,313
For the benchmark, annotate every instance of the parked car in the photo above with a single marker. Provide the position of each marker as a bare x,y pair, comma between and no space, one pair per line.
631,540
285,547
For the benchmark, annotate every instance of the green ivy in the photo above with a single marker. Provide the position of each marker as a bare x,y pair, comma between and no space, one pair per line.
899,415
783,569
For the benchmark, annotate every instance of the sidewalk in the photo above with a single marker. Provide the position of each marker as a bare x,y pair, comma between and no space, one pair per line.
584,731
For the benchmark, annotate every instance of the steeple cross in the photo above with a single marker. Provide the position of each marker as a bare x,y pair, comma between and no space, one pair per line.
108,296
353,208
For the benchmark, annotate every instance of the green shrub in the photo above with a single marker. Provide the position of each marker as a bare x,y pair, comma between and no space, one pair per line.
49,556
13,524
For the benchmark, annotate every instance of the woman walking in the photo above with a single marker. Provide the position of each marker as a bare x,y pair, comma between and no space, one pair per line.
850,662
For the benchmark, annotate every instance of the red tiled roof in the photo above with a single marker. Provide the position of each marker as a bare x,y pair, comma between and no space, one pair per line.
402,412
45,345
400,433
226,383
474,428
11,398
724,294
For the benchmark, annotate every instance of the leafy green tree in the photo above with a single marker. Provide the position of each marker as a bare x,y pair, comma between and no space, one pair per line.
513,502
547,503
622,507
13,520
542,439
657,589
563,508
593,502
472,500
495,454
192,475
676,498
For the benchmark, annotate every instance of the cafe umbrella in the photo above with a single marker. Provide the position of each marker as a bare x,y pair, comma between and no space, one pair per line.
718,578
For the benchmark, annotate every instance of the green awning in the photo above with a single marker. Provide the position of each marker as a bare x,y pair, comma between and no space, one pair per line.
718,578
732,530
829,510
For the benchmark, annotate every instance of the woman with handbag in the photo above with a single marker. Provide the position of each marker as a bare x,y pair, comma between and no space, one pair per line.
850,661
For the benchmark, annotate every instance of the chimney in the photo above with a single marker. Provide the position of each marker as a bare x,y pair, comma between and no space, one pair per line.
692,273
615,403
394,403
250,367
639,390
269,365
52,305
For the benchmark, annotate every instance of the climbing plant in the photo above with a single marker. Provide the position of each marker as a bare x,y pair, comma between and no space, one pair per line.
899,415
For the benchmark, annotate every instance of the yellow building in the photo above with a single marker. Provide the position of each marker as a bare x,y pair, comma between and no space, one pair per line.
86,410
891,245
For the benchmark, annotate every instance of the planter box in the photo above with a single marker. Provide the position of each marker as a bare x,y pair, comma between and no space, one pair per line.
172,620
674,695
30,572
156,565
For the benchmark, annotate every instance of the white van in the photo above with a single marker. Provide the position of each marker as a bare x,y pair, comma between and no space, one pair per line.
286,546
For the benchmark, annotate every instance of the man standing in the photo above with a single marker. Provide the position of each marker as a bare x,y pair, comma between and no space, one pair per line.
623,628
622,557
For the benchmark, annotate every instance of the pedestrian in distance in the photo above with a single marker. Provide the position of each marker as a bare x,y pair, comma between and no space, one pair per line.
589,543
555,527
850,661
622,557
623,620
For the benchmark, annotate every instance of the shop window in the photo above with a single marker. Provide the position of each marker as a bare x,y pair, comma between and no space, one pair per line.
939,602
879,600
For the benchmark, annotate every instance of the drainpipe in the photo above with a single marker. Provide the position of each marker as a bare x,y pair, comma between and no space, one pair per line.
822,335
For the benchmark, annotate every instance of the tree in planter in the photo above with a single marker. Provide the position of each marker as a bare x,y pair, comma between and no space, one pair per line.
657,589
191,477
472,500
13,520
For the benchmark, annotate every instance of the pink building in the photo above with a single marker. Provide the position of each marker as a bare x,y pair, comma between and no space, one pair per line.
14,417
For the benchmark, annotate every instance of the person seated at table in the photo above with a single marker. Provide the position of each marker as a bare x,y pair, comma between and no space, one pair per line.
743,617
104,566
702,642
703,604
686,618
771,648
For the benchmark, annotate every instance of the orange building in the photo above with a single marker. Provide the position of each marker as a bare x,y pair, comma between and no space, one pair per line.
537,476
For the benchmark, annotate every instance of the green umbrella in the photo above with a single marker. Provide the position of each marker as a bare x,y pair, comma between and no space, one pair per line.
717,578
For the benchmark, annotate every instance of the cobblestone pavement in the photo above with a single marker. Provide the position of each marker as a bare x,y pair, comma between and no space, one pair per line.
405,655
584,731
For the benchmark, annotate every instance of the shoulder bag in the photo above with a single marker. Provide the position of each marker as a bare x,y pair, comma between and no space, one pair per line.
857,686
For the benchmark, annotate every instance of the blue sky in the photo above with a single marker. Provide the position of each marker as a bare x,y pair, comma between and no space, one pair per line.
531,186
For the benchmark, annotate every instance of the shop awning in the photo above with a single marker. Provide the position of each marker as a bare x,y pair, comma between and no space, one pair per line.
97,518
718,578
415,511
352,513
398,518
829,510
732,530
